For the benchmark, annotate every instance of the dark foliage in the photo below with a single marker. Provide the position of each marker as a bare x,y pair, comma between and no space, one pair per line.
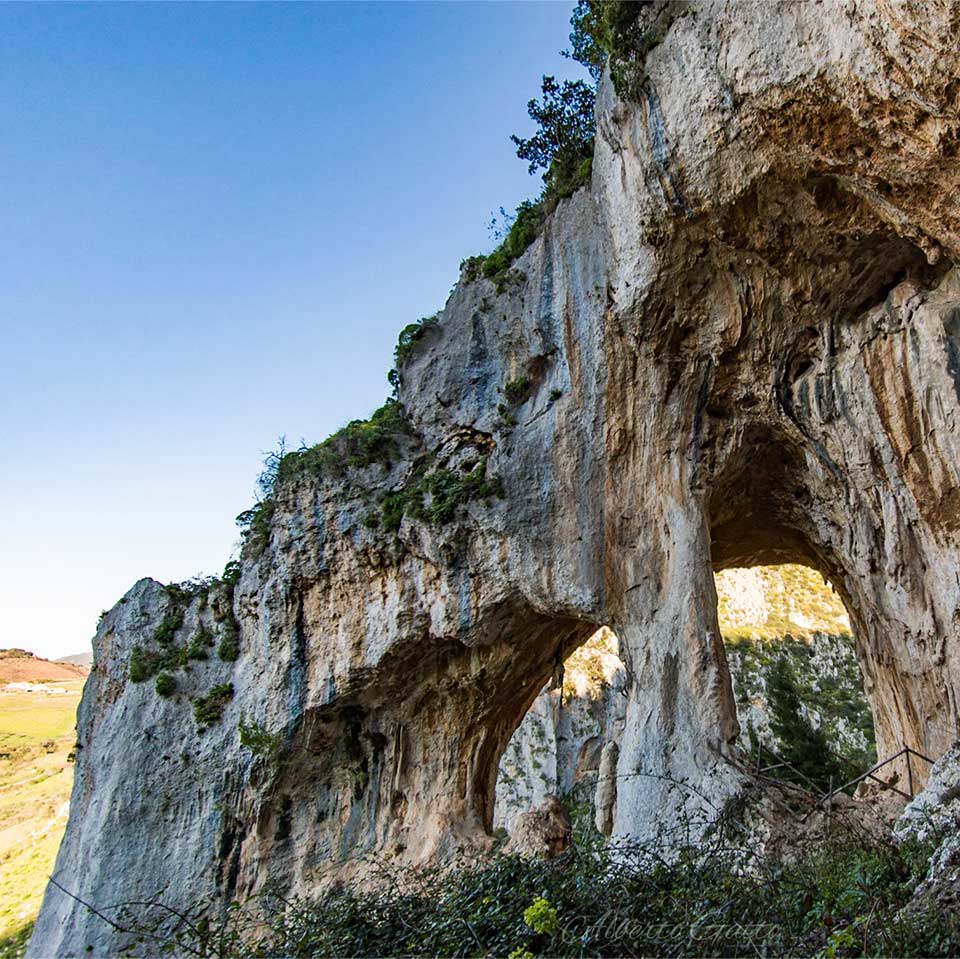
844,897
805,747
620,32
564,136
518,390
208,709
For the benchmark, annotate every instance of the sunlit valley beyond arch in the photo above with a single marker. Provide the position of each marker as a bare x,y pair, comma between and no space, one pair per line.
788,642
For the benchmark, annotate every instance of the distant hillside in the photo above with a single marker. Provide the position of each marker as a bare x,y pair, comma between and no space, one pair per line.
769,602
78,659
20,666
794,667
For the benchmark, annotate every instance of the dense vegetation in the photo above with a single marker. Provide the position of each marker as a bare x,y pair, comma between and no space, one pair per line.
846,896
805,701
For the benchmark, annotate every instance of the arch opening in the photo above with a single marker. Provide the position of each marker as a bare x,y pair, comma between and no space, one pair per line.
556,747
797,680
780,500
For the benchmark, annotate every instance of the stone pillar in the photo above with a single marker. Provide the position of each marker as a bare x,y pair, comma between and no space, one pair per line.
606,795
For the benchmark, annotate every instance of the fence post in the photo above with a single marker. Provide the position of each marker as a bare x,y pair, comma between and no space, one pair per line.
909,772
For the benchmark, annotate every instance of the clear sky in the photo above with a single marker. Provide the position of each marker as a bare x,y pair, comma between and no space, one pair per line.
214,219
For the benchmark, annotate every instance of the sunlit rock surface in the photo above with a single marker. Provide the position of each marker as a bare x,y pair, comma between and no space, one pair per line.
742,345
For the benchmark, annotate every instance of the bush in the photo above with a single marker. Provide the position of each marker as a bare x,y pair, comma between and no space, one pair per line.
447,491
259,741
523,231
254,526
231,573
392,508
517,390
848,896
208,709
410,335
165,685
146,663
140,665
169,625
622,32
433,497
472,268
360,443
229,647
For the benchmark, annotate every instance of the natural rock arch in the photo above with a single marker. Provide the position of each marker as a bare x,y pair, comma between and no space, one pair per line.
763,267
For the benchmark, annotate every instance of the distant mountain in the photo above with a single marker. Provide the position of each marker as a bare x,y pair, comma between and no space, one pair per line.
20,666
78,659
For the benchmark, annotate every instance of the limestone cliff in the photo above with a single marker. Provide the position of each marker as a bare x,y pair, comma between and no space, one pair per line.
739,345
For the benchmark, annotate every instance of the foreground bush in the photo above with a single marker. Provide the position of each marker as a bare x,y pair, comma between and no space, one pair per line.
847,897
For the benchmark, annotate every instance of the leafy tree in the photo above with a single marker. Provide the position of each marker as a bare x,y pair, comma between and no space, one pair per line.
564,138
584,47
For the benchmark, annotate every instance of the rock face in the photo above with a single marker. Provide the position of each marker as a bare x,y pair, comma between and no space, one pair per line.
541,833
741,345
934,817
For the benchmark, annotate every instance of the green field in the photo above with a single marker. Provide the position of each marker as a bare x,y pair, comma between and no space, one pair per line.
36,738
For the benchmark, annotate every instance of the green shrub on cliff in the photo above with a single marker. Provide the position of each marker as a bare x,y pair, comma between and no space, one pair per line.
359,444
621,33
208,709
434,497
410,335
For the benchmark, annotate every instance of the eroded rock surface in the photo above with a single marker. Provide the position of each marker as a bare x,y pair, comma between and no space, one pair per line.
934,817
742,346
542,832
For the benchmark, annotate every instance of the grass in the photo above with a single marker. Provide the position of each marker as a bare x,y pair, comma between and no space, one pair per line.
23,724
36,737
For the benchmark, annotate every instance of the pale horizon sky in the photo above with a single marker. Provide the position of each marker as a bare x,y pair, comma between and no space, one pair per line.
216,218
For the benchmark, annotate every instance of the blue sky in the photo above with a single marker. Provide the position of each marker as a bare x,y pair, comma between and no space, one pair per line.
215,219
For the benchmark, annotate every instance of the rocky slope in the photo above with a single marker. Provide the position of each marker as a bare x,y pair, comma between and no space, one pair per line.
739,345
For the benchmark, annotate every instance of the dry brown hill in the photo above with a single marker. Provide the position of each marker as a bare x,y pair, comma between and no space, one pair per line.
19,666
